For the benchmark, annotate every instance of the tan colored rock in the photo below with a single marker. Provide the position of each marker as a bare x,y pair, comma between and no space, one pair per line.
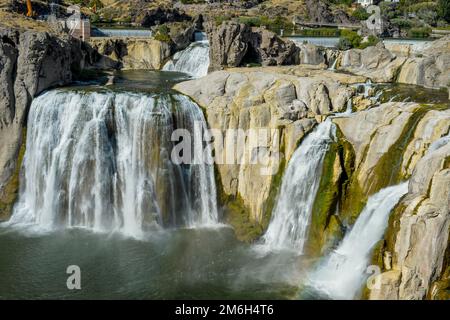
422,239
428,66
376,63
273,98
131,53
434,125
30,62
373,132
385,286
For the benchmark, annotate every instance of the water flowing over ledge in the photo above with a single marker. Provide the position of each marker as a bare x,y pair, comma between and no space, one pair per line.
194,60
342,273
102,161
292,214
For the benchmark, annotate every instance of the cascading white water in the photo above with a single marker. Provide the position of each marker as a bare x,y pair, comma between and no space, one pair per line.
342,273
333,66
292,214
102,161
202,189
194,60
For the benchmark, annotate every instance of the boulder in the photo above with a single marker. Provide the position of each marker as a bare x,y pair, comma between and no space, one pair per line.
270,50
377,63
228,44
233,44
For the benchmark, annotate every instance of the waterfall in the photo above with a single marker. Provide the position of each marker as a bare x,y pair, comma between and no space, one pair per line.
194,60
101,160
367,88
333,66
291,216
342,273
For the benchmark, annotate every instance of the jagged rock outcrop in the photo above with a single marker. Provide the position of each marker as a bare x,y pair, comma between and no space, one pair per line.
160,15
319,11
271,50
130,53
287,100
30,62
181,35
228,44
233,44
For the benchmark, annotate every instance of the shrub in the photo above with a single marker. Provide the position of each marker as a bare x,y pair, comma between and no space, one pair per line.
371,41
349,39
401,23
162,33
361,14
419,32
321,32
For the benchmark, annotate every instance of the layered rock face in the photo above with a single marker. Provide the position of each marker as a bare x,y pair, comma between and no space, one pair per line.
30,62
397,142
418,64
377,63
319,11
159,15
130,53
427,66
430,67
286,101
233,44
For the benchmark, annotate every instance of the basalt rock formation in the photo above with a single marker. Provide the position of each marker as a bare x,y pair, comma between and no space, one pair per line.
129,53
234,44
287,100
392,143
30,62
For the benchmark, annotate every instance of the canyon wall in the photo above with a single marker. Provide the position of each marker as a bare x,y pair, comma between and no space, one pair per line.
31,62
289,101
130,53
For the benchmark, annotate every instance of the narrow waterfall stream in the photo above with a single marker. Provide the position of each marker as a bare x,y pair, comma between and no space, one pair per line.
290,219
341,274
101,160
194,60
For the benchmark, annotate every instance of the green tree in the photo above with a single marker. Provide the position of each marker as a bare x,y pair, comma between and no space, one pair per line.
444,9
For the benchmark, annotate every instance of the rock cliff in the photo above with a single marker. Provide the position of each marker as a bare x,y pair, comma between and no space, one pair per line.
234,44
130,53
392,143
287,100
30,62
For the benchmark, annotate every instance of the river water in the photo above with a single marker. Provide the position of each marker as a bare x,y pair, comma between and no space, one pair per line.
74,164
132,244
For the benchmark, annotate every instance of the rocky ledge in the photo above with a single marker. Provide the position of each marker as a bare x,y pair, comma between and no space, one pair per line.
30,62
289,100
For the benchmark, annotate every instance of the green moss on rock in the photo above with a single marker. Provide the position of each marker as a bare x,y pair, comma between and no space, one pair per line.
325,203
388,171
9,194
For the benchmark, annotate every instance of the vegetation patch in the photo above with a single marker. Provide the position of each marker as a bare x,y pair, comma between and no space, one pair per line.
388,172
10,192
